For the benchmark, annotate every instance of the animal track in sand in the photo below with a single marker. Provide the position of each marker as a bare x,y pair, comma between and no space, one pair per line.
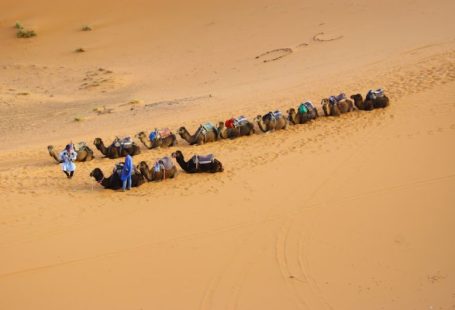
280,53
100,79
323,37
275,54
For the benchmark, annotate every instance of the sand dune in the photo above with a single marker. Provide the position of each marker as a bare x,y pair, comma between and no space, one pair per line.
341,213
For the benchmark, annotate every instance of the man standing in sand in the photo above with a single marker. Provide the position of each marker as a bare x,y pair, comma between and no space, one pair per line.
68,156
127,171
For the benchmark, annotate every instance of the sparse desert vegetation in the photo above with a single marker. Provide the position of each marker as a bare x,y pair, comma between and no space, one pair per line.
86,28
22,32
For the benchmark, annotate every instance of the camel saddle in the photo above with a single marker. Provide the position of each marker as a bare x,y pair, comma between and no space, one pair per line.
160,134
373,94
125,143
203,159
208,126
236,122
309,105
79,146
240,121
336,99
165,162
272,115
118,168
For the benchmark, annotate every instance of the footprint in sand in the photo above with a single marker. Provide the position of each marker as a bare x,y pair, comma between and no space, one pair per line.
323,37
274,54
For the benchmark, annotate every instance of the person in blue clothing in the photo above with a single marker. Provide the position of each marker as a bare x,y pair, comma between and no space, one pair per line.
127,172
67,157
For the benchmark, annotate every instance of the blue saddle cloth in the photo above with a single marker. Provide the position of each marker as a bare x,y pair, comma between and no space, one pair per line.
373,94
153,135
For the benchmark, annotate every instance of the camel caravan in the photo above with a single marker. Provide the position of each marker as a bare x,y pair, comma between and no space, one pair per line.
232,128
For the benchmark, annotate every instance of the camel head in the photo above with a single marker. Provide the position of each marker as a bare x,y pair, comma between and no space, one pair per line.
177,154
357,97
182,130
97,174
325,101
97,141
143,165
50,148
220,125
358,100
258,118
140,135
291,111
291,115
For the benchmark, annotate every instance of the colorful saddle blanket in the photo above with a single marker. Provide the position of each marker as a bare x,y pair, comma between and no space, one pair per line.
236,122
160,134
336,99
125,143
373,94
303,109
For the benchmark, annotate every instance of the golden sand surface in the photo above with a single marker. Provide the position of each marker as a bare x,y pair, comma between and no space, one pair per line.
349,212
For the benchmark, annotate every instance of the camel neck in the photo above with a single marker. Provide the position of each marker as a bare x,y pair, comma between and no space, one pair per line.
182,163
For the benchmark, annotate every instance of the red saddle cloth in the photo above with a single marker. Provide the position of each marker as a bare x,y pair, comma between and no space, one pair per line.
230,123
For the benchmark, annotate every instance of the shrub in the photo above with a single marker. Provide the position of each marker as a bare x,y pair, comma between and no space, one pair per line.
24,33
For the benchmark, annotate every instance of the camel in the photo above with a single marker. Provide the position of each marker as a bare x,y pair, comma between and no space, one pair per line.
330,109
198,164
114,182
168,141
231,133
370,104
83,154
159,171
297,117
271,121
336,109
201,136
113,151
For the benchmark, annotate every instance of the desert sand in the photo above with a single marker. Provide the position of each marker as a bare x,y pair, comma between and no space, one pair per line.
354,212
